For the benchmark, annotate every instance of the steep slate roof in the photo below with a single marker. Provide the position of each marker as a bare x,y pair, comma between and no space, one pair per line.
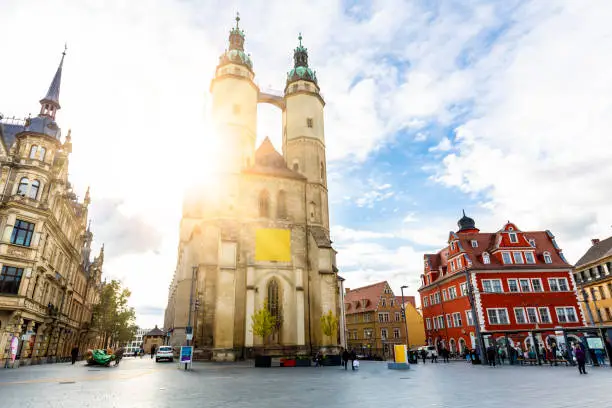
370,293
8,132
155,332
602,249
321,237
269,162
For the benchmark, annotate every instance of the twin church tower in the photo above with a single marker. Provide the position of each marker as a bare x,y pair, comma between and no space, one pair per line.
258,237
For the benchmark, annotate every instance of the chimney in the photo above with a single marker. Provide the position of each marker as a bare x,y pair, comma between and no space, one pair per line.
595,241
347,290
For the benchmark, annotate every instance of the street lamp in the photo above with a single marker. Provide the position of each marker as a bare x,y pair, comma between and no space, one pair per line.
404,310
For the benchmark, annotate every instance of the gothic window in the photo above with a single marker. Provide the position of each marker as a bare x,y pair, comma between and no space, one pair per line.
273,299
309,122
296,166
33,151
264,204
24,185
281,204
42,153
313,210
33,193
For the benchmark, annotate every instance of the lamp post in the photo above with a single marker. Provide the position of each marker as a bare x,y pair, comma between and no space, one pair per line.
189,328
404,310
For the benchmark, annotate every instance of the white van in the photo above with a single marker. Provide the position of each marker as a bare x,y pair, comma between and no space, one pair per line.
428,349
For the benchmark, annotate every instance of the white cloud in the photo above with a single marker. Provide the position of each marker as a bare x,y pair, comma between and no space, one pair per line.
444,146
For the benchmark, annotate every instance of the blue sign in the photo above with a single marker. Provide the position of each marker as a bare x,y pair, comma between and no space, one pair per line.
186,354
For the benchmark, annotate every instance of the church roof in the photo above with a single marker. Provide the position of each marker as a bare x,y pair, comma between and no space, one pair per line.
320,236
155,332
269,162
8,131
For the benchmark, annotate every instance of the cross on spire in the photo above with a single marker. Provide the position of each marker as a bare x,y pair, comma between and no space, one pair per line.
237,18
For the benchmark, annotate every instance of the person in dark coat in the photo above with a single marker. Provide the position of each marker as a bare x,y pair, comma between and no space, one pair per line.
74,353
153,348
353,358
491,355
345,358
580,358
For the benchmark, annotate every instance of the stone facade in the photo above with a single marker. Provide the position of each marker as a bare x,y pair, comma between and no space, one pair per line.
593,274
255,191
48,285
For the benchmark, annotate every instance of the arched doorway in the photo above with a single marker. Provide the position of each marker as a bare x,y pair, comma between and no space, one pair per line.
461,345
452,346
274,307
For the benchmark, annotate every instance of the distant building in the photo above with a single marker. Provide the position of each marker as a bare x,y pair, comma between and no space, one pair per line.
507,282
374,323
593,273
152,338
136,343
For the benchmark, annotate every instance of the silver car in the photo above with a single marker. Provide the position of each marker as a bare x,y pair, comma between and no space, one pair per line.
164,353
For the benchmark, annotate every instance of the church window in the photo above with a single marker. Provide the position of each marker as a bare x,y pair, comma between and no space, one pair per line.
42,153
309,122
313,210
24,184
273,299
33,150
264,204
33,193
296,167
236,109
281,204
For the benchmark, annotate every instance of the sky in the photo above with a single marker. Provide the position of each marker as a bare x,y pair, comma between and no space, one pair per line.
501,108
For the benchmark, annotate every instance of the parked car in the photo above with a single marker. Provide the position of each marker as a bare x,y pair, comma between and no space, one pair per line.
164,353
428,349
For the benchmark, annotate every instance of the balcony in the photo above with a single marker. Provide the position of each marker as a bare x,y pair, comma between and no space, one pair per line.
22,199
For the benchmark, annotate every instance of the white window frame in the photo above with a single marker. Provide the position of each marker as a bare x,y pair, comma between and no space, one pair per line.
425,301
497,313
522,313
397,334
548,320
547,257
486,258
517,257
516,284
428,323
463,287
469,318
474,243
398,316
535,315
506,256
440,322
513,237
459,263
532,243
444,296
529,258
523,280
557,284
457,319
539,282
384,333
449,321
452,292
490,282
564,310
383,302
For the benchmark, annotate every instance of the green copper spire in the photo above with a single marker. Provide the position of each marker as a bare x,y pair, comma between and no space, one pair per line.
300,70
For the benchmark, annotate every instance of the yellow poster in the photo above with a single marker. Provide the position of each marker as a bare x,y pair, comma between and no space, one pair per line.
400,353
273,245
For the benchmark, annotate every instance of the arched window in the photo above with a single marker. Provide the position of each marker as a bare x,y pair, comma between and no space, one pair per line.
281,205
273,305
264,204
42,152
33,150
313,210
547,257
485,258
296,167
33,193
24,185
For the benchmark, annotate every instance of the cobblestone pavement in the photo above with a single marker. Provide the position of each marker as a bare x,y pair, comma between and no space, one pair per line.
143,383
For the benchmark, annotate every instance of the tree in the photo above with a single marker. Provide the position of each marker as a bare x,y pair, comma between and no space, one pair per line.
329,324
112,316
263,323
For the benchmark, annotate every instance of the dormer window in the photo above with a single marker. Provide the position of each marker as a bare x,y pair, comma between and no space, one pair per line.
547,258
532,242
513,237
506,257
23,188
485,258
453,245
459,263
474,243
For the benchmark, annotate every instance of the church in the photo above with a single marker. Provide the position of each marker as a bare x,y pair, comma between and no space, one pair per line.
259,236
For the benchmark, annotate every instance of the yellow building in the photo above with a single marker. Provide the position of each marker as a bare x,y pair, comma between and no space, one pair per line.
259,237
593,274
48,285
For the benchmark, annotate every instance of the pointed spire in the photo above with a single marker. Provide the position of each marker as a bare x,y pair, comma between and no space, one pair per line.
86,201
236,38
49,105
300,70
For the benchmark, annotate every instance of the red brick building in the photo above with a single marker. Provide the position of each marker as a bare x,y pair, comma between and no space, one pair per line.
497,285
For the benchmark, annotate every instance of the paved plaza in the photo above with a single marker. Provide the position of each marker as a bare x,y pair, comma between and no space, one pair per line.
143,383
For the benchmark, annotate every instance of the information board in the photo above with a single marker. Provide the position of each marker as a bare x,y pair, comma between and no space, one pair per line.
186,354
594,343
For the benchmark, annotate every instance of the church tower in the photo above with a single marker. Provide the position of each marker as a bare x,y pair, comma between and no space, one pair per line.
304,136
234,105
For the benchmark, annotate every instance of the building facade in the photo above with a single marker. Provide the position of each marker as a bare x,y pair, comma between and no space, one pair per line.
374,321
153,339
48,285
134,345
260,236
593,274
497,286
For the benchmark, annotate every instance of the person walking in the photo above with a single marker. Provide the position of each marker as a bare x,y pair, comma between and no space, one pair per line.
74,353
353,358
434,356
491,355
345,358
424,355
580,357
153,348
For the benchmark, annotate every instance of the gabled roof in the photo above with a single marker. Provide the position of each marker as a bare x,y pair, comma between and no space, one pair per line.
155,332
600,250
269,162
407,299
370,294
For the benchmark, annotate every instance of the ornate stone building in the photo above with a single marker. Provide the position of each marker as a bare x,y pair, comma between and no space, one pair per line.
47,283
260,236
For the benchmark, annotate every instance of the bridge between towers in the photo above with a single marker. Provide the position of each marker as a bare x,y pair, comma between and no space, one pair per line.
272,97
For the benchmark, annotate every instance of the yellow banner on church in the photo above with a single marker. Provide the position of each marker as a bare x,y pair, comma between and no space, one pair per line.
273,244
